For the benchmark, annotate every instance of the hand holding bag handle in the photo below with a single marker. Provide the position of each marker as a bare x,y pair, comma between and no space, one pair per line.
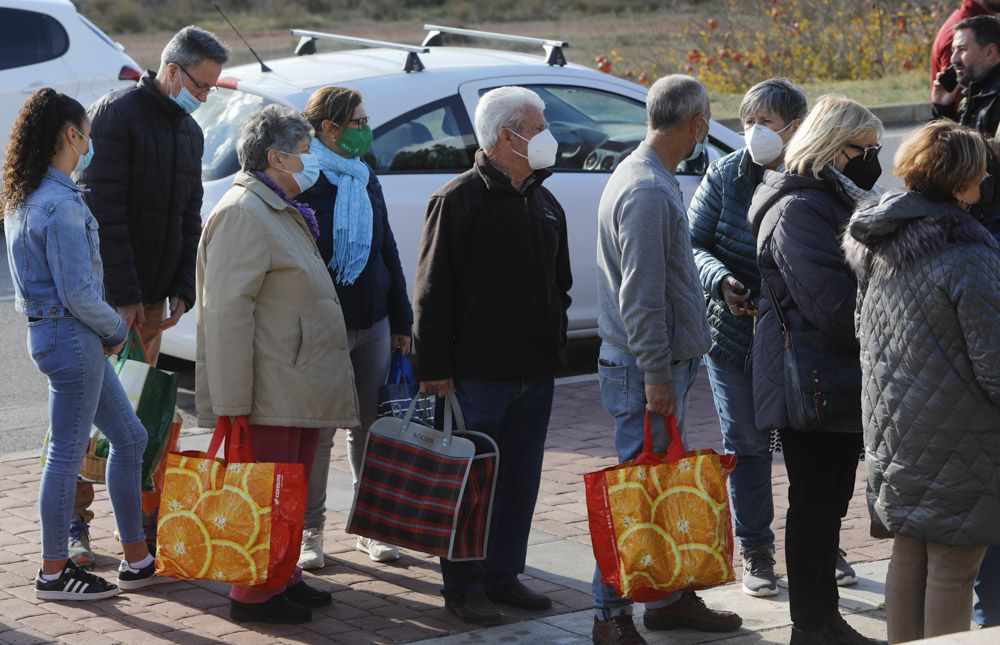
675,449
133,340
451,410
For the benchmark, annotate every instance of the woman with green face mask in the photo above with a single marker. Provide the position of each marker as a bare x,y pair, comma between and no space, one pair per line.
357,244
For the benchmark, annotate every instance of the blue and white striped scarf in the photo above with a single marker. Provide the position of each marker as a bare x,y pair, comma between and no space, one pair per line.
352,212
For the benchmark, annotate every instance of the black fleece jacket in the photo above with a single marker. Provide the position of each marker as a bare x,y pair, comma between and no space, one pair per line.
493,279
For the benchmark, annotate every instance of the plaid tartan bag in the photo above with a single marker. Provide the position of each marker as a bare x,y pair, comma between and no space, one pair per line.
425,489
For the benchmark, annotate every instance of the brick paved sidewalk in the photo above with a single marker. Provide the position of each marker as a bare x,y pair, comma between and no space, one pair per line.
372,603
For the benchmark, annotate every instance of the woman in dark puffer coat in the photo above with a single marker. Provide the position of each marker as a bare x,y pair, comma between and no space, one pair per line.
798,218
928,321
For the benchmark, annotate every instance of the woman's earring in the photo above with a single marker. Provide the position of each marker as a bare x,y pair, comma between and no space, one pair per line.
964,205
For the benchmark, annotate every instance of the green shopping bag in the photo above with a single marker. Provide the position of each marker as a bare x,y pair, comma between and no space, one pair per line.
153,395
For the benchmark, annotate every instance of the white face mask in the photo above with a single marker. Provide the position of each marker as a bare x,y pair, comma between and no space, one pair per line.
765,145
542,149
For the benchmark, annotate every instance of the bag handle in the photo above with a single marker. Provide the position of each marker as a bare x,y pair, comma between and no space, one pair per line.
452,416
675,449
236,433
134,339
400,369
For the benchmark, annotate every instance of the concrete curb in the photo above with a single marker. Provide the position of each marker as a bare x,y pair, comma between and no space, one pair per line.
890,115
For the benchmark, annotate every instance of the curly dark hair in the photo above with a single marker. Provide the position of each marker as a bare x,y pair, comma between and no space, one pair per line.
34,138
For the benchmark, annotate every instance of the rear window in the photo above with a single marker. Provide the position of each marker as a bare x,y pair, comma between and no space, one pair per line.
220,119
29,38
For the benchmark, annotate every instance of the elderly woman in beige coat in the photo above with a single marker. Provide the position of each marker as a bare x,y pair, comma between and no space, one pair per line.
272,344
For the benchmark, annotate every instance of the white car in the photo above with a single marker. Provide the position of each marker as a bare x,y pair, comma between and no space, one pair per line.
46,43
423,135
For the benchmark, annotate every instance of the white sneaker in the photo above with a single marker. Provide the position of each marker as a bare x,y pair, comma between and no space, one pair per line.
377,551
311,554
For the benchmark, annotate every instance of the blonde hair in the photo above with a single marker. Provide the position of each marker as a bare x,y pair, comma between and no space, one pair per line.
940,158
834,122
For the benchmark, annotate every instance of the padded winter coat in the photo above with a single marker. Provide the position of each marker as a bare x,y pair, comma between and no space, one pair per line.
929,324
804,266
723,245
144,188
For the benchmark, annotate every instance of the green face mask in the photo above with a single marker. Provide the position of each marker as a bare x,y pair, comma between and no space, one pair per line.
355,142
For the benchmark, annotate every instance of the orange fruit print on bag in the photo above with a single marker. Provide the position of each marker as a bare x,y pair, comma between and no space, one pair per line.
216,520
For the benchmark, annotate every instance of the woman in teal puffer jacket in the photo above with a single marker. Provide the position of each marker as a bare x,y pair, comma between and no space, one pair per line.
724,251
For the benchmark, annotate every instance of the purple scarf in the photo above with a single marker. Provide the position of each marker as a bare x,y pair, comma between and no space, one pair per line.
308,214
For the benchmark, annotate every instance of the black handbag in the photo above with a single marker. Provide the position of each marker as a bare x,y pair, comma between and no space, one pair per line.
822,388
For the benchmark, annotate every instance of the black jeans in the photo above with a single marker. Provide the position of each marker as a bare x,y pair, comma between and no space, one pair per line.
821,468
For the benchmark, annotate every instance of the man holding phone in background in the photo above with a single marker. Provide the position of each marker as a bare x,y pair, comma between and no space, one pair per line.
975,60
941,52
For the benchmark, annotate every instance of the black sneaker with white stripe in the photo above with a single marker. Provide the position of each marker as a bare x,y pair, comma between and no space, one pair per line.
74,584
130,579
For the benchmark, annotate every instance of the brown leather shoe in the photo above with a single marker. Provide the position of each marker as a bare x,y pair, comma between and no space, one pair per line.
690,612
618,630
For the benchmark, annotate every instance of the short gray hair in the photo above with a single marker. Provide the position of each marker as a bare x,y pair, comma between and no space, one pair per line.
191,45
503,107
272,127
778,96
673,100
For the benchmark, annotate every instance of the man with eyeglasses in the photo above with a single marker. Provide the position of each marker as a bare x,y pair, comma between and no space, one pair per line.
144,187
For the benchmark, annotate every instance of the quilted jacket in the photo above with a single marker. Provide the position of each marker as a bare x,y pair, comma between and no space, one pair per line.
804,265
723,245
928,321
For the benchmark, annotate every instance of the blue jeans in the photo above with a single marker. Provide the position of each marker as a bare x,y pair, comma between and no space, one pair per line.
750,482
987,607
623,394
83,391
515,413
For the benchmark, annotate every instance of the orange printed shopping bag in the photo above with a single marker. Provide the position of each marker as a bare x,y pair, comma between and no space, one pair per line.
232,520
661,523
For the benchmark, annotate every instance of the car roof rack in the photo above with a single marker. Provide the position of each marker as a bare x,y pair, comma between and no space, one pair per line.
553,48
307,46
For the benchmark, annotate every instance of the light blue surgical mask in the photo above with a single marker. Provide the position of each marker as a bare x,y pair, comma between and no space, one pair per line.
700,146
306,177
185,99
83,159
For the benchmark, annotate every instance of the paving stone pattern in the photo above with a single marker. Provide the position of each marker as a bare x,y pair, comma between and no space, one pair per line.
373,603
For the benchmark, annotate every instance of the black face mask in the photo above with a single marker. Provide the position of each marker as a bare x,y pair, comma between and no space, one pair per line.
985,204
863,172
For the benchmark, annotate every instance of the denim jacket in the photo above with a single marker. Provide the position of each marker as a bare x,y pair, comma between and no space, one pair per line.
55,260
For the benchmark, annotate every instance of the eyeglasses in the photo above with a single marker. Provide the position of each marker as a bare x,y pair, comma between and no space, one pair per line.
201,88
868,153
358,123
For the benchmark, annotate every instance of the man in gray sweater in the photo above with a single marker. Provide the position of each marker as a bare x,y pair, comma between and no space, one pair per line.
652,320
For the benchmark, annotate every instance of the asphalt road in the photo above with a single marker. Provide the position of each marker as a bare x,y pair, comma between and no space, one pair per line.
24,394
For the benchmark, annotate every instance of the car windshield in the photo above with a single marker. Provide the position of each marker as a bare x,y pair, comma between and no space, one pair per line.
220,120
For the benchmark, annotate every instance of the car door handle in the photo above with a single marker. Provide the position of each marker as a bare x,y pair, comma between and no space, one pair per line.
34,87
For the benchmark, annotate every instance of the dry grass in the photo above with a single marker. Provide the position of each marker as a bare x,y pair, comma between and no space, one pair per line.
640,40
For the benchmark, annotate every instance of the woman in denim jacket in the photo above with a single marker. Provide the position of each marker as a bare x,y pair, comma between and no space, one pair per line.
55,264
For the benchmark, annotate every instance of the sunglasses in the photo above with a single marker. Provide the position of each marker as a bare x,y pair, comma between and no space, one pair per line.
868,153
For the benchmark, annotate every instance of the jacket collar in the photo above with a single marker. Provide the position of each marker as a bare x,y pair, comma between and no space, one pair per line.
60,177
497,180
147,85
257,187
989,85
